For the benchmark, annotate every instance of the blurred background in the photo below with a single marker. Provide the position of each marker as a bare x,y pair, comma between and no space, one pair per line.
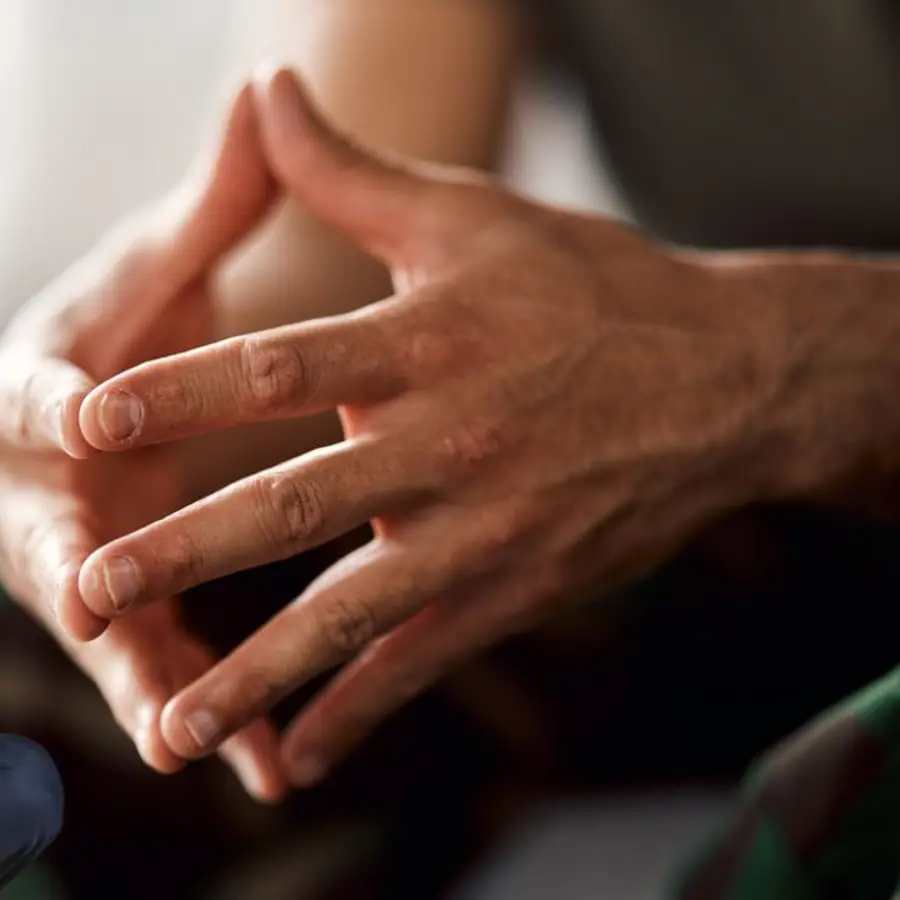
102,105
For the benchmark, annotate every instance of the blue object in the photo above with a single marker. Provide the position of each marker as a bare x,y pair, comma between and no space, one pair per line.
31,804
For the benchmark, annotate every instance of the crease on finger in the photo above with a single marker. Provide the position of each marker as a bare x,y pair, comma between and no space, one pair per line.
399,667
40,399
369,592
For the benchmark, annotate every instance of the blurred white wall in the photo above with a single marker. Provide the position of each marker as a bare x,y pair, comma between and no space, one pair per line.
103,103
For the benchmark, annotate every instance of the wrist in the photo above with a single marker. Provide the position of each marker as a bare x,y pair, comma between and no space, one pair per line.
828,329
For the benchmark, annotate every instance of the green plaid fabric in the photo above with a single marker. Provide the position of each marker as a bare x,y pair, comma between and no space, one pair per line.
819,816
35,883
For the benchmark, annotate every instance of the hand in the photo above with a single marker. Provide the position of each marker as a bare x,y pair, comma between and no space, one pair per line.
549,405
141,294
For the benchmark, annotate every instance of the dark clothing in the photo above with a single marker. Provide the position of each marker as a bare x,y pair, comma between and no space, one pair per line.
745,123
31,804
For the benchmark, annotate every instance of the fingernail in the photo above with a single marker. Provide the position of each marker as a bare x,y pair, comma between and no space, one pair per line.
121,415
203,727
308,771
120,575
59,420
248,772
251,778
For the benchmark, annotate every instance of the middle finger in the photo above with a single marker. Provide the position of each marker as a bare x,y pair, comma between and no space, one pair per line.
268,517
273,375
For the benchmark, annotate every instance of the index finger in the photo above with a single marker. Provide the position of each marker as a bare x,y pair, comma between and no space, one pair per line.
277,374
40,399
46,545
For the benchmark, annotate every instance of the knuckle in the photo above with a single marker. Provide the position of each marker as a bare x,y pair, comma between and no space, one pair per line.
502,531
32,561
429,350
256,691
436,334
185,560
177,400
30,550
21,415
274,375
348,626
468,447
291,510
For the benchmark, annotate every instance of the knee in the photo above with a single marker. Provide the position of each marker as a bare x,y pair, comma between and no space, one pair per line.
31,797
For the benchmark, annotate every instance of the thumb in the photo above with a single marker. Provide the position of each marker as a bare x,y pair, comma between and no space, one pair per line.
376,202
226,195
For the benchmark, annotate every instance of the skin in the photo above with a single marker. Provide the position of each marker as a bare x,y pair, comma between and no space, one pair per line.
547,406
539,482
388,72
141,294
226,253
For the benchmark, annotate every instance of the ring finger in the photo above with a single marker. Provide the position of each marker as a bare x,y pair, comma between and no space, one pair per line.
365,595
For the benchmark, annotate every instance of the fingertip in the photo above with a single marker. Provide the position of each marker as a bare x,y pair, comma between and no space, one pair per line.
264,73
274,797
189,733
110,419
242,100
284,101
342,182
71,437
82,625
91,589
44,397
305,771
151,746
111,584
253,756
74,617
305,759
264,789
271,78
159,757
88,422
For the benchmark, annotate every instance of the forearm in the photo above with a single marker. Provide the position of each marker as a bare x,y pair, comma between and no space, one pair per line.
429,79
